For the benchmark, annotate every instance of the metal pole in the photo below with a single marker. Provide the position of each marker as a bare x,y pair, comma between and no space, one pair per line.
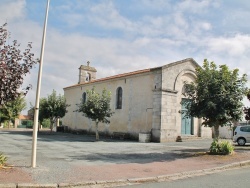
35,127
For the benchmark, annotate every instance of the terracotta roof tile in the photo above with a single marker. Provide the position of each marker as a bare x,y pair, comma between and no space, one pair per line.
113,77
24,117
135,72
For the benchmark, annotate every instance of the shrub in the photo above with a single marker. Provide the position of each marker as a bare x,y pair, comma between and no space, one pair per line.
223,147
226,147
28,124
215,147
46,123
3,159
24,122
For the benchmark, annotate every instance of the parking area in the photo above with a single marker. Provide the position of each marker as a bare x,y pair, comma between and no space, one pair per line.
83,149
65,157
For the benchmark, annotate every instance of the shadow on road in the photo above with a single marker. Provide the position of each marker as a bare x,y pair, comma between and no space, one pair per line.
47,135
141,158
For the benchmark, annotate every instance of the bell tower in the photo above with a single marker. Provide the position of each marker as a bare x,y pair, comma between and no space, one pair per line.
86,73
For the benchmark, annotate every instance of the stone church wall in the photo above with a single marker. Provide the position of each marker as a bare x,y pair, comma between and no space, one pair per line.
169,98
135,115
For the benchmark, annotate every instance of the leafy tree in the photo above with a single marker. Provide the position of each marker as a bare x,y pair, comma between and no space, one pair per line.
247,109
52,107
11,110
46,123
96,107
14,65
216,95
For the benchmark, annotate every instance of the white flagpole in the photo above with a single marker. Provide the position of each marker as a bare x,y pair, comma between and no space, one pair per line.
35,127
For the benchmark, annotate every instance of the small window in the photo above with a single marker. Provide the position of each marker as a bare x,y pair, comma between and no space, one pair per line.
88,77
245,129
84,97
119,98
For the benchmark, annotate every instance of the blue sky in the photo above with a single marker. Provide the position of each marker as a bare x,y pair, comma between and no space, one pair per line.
119,36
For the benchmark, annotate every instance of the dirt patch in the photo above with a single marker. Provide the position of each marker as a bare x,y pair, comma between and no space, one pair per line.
235,156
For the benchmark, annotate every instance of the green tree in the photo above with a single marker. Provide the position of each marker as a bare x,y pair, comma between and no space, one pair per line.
96,107
14,65
216,95
46,123
247,109
52,107
11,110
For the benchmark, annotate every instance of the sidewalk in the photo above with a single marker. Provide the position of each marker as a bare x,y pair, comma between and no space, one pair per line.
67,160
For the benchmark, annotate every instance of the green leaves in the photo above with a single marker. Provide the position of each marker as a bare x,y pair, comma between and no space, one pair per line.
3,159
97,106
247,109
12,109
221,147
52,107
216,94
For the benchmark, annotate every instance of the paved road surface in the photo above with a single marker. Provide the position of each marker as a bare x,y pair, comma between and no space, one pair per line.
225,179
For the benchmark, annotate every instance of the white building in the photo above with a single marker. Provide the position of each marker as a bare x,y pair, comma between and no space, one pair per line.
144,101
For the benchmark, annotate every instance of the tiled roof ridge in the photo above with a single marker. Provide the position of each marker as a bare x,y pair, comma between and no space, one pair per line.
24,117
136,72
113,77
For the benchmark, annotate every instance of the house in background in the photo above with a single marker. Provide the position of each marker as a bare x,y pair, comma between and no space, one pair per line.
144,101
21,119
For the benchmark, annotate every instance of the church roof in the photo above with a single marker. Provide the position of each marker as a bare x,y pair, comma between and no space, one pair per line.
84,67
113,77
180,62
134,72
24,117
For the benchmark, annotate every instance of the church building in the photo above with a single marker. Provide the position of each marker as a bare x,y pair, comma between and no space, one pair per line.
144,101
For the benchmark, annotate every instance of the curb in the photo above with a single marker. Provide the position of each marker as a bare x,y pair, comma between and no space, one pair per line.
130,181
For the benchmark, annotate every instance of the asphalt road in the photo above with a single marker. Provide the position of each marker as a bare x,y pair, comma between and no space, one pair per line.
225,179
83,149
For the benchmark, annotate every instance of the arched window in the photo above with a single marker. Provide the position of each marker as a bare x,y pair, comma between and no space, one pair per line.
88,76
183,90
119,98
84,97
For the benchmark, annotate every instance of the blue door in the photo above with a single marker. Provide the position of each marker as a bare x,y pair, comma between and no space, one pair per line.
186,121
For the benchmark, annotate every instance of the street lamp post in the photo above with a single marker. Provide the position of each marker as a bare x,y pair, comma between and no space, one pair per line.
35,127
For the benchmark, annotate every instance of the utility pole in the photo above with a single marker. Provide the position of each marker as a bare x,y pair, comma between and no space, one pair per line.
36,114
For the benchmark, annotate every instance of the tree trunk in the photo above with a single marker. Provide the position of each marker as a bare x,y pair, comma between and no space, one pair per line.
39,124
216,132
96,131
57,122
9,123
51,125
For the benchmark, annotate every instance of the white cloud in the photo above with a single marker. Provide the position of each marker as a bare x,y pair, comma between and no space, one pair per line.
155,5
205,26
12,10
194,6
107,16
73,19
233,46
180,21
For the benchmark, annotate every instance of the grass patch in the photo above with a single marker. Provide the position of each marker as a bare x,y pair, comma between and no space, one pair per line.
3,160
221,147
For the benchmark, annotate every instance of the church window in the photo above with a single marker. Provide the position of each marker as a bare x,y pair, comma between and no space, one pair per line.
88,76
119,98
84,97
184,90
